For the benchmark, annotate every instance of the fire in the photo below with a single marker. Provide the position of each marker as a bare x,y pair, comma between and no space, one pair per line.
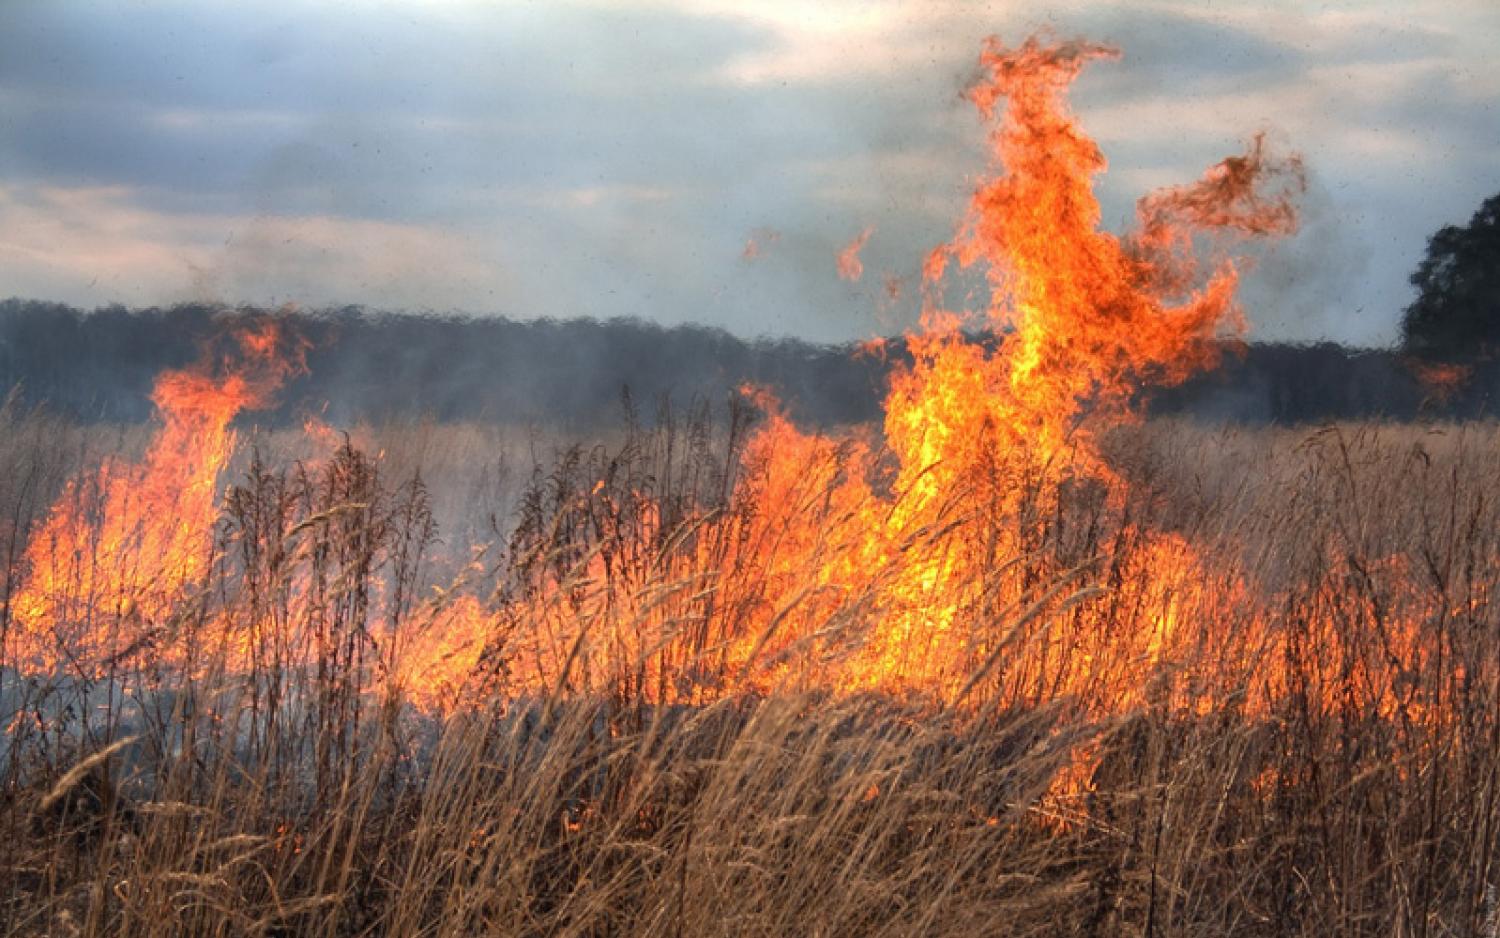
889,565
902,562
850,267
1441,380
1087,316
1084,317
118,551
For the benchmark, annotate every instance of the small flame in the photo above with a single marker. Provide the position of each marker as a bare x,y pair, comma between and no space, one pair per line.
1443,381
850,267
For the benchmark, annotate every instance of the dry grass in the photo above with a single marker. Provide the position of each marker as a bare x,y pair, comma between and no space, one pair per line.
299,795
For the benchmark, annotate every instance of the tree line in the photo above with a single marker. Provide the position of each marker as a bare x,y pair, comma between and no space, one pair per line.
577,374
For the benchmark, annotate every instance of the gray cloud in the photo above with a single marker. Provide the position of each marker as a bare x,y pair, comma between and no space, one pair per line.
579,160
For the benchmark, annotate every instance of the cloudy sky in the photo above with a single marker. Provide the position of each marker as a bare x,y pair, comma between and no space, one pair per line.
607,158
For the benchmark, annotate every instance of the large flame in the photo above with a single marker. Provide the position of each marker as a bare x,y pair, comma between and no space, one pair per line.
113,558
1082,318
1086,316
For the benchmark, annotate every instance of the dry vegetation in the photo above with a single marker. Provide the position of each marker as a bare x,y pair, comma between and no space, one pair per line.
302,795
1011,664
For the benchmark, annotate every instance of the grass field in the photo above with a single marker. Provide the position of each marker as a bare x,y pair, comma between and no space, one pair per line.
1010,663
1316,754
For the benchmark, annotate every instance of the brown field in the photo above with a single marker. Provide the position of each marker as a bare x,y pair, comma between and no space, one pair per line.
1316,754
1010,664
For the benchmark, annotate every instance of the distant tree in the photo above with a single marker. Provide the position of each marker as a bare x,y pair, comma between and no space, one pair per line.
1457,311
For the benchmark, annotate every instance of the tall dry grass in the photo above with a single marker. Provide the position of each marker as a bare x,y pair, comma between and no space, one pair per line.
1343,777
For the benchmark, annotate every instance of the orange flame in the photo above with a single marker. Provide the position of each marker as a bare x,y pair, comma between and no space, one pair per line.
1442,381
846,562
124,546
849,572
850,267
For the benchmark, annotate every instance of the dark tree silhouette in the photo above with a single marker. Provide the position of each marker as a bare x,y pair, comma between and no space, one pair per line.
1456,315
569,375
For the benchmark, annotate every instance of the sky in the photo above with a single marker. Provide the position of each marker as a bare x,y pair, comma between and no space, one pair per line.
700,161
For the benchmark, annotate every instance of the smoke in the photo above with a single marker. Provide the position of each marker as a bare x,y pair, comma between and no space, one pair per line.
1299,288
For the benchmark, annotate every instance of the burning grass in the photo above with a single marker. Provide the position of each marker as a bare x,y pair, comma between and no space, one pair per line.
1341,772
1017,663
